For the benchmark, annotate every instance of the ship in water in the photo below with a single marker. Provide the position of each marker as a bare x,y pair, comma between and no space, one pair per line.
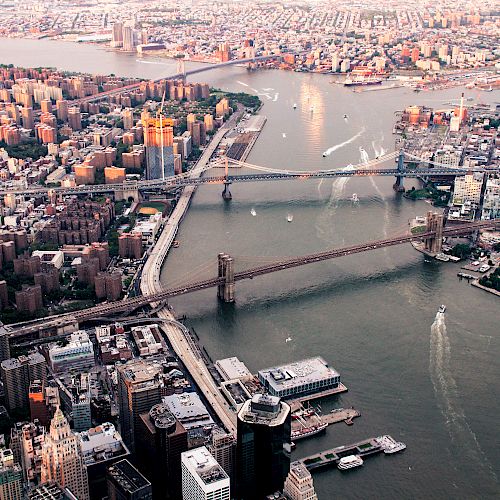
350,462
305,432
442,308
253,212
390,445
289,217
360,80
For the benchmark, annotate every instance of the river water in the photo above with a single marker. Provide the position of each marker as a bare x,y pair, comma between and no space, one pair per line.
428,379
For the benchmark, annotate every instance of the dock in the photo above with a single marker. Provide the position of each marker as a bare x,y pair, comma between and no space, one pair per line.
341,415
332,456
322,394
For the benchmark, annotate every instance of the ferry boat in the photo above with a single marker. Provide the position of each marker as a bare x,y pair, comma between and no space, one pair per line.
362,80
442,308
389,445
305,432
289,217
350,462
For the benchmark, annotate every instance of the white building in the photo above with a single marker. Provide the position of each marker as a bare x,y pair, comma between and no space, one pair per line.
299,483
55,258
149,228
202,477
491,200
232,368
468,189
78,354
147,338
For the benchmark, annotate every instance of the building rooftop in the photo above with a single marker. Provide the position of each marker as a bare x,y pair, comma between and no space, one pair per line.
265,410
301,372
101,443
232,368
189,409
204,465
299,470
129,478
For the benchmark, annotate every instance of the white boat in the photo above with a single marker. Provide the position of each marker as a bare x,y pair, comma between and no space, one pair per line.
325,154
289,217
295,106
284,135
288,339
442,308
389,445
350,462
354,198
253,212
442,257
305,432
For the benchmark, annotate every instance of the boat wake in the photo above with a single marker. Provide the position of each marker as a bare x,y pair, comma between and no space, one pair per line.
325,225
329,151
142,61
242,83
276,96
448,398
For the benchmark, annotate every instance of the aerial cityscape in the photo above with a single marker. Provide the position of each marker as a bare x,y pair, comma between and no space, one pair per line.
249,250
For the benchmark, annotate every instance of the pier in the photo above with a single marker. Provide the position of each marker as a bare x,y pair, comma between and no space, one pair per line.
332,456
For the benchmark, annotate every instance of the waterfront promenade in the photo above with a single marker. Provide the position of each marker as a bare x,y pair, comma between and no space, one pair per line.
150,283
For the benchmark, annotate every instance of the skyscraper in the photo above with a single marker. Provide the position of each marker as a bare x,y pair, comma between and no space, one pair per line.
11,477
161,439
263,446
299,483
62,459
222,448
125,482
138,392
17,374
202,477
117,35
158,141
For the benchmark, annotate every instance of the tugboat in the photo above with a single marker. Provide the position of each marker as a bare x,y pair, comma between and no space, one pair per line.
442,308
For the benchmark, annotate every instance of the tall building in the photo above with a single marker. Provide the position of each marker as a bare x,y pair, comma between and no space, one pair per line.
11,477
222,447
138,392
117,35
17,374
158,142
31,437
75,118
161,439
299,483
125,482
468,188
62,459
202,477
263,446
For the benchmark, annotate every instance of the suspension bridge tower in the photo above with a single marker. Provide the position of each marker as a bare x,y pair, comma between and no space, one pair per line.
398,185
181,69
225,289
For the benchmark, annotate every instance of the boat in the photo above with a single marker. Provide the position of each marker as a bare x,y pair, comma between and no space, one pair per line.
253,212
324,155
350,462
289,217
354,198
288,339
311,108
305,432
345,116
442,257
442,308
176,243
389,445
361,80
295,106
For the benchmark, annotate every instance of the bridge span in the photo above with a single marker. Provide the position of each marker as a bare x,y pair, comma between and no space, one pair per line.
226,279
261,174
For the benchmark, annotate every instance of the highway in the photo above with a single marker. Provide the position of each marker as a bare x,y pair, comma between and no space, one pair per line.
150,284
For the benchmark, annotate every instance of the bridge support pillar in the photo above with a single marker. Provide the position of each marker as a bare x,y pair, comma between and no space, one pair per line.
226,289
127,190
435,224
226,194
398,185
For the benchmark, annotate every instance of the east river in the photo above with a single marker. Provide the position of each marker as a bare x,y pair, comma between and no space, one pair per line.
429,382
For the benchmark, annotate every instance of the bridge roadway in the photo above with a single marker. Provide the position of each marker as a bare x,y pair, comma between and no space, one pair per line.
183,180
201,69
22,330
